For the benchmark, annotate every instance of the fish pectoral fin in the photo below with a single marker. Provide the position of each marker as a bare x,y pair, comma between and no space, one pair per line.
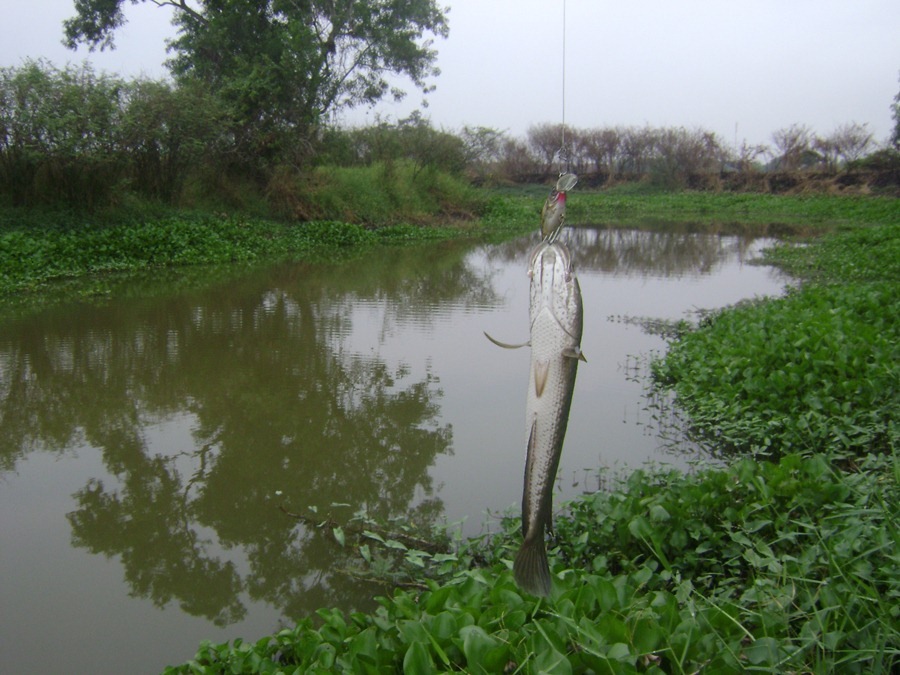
504,344
574,353
541,370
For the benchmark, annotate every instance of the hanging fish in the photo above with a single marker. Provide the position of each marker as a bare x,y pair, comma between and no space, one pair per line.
556,326
553,215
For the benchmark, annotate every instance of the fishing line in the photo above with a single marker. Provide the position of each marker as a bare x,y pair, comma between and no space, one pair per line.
563,150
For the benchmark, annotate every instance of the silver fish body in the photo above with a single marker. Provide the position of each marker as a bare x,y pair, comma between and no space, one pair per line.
556,327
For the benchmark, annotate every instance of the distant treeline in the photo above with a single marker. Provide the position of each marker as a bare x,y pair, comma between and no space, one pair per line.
72,136
680,157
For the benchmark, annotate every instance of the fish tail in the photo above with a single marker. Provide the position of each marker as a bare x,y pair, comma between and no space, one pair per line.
531,569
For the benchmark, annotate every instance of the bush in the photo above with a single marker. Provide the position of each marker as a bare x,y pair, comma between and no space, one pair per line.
381,194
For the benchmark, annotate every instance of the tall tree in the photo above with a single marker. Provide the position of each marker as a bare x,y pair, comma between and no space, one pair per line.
284,65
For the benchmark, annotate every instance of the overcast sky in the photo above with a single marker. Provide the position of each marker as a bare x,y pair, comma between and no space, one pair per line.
740,68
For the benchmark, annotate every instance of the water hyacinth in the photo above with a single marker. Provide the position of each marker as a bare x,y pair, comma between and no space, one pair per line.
815,371
781,566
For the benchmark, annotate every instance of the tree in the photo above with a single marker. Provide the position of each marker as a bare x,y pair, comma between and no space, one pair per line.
792,145
58,133
747,156
546,142
851,141
603,146
483,149
895,113
637,149
283,65
166,131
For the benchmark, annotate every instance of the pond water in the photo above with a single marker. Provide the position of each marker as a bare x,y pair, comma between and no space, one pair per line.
149,440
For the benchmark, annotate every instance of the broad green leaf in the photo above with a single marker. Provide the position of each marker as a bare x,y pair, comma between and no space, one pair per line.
338,535
476,644
551,662
417,660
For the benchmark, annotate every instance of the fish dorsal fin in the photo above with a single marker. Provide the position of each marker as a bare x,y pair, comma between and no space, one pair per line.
541,370
504,344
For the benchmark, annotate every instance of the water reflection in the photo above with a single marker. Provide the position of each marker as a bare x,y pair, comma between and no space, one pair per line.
173,414
273,402
666,253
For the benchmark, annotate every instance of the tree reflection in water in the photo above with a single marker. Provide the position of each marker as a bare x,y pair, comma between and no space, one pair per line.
206,398
275,402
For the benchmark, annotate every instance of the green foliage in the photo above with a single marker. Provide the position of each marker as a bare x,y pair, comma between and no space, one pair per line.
58,134
513,212
814,371
635,204
166,133
32,256
411,140
857,254
72,137
795,555
775,567
281,68
42,246
383,193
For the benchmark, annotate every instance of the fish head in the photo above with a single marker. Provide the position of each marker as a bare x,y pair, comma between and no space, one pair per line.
555,287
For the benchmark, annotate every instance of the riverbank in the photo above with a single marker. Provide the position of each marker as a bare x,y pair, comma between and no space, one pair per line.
39,248
785,560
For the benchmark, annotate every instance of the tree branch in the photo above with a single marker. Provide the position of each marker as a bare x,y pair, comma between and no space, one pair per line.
183,6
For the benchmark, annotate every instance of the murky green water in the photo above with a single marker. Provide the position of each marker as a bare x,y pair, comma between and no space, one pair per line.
149,440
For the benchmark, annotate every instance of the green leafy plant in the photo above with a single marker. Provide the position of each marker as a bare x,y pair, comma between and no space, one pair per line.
768,566
814,371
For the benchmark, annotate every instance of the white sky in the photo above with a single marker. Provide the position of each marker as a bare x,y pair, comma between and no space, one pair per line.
740,68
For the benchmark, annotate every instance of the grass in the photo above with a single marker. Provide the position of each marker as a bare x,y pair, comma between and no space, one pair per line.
816,371
640,206
325,214
32,258
851,255
633,205
356,208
